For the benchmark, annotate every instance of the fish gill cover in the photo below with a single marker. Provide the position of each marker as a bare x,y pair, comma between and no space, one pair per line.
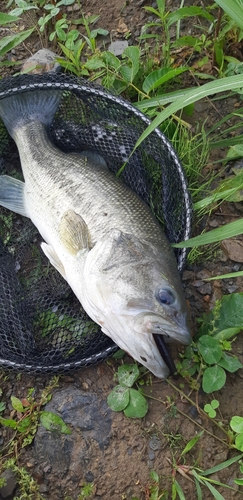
43,327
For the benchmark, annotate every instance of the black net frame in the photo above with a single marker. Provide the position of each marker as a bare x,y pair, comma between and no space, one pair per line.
43,327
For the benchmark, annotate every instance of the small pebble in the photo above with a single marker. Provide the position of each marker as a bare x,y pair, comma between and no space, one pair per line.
151,455
89,477
154,443
150,464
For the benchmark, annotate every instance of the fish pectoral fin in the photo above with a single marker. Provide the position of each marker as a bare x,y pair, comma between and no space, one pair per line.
12,194
74,233
53,258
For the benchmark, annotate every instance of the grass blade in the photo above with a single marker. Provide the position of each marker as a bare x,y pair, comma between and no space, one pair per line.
221,466
225,276
194,95
214,492
221,233
233,9
199,491
179,491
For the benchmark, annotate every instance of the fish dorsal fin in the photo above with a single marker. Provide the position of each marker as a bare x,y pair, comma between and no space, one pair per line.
73,232
53,258
12,194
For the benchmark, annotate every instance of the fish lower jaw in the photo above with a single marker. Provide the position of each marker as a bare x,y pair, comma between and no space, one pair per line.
144,351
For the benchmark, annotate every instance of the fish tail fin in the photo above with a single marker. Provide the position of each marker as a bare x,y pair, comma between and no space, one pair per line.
22,108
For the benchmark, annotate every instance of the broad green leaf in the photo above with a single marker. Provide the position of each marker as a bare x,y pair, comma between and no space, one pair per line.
94,63
111,59
7,18
65,2
19,11
126,73
17,404
239,442
24,424
10,42
186,12
230,363
211,412
152,10
161,76
137,406
221,233
235,151
68,53
133,54
118,399
236,424
214,404
154,476
227,333
54,423
188,40
227,317
119,354
231,312
214,379
233,9
128,374
98,31
210,349
2,406
8,422
191,443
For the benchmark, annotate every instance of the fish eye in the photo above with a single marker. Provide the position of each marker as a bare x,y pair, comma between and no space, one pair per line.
165,297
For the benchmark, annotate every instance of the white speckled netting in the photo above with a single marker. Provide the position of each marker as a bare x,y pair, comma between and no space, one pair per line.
43,327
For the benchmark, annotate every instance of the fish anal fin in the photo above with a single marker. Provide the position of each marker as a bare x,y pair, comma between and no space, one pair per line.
53,258
73,232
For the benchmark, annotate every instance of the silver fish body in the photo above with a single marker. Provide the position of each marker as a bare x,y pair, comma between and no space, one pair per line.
99,234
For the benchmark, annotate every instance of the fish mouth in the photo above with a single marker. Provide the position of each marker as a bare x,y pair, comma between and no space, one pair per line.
164,353
164,330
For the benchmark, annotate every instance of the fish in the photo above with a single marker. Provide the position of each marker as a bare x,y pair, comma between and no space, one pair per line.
100,235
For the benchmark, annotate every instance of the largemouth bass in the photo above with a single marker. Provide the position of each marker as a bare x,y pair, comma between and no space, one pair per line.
97,233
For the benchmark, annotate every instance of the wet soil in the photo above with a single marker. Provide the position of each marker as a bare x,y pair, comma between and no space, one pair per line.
115,453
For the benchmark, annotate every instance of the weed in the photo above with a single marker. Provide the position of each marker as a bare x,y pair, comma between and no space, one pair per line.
28,414
27,485
123,397
207,356
211,408
86,491
200,478
25,418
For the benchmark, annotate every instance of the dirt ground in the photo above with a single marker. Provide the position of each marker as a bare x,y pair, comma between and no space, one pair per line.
115,453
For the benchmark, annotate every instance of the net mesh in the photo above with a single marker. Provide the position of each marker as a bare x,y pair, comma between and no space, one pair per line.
43,327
